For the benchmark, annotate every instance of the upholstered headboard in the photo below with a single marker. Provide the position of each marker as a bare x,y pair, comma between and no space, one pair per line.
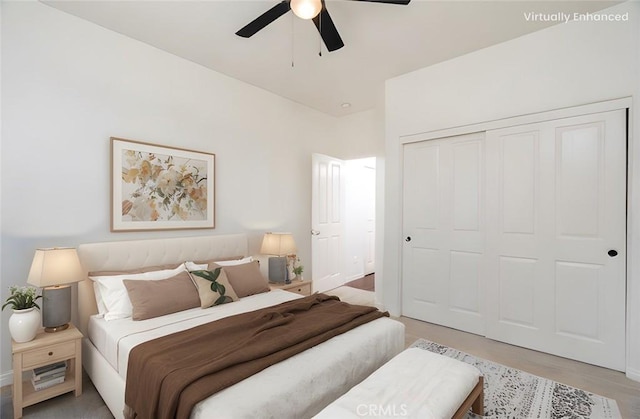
120,255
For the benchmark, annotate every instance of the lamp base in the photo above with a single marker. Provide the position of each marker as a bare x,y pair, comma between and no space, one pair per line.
56,307
56,328
278,270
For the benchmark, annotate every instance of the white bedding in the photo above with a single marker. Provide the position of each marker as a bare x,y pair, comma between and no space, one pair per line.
115,338
297,387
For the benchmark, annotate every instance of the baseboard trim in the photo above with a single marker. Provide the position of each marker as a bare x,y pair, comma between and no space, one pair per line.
6,379
633,374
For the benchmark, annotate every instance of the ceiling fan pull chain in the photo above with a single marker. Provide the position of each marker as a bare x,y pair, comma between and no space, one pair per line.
320,34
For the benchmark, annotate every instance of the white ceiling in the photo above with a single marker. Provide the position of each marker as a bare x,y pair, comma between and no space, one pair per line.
381,41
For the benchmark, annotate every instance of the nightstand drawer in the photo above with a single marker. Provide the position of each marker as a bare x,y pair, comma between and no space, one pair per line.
49,354
301,289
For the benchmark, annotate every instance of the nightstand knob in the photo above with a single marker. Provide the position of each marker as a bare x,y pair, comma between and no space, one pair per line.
50,353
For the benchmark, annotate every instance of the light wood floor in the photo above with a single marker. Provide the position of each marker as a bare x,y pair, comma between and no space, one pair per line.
608,383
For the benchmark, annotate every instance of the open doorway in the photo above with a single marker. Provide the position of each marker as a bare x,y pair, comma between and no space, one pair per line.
360,223
343,221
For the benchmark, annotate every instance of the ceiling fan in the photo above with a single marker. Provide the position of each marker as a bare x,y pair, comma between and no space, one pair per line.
306,9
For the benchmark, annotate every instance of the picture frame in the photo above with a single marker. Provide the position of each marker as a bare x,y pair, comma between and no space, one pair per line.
156,187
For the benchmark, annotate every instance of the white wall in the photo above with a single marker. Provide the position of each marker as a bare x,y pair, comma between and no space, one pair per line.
362,134
563,66
362,142
68,85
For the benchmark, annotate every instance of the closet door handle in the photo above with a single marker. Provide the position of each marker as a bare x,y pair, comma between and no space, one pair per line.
315,233
612,253
408,239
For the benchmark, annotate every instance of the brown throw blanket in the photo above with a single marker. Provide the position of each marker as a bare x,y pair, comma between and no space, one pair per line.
167,376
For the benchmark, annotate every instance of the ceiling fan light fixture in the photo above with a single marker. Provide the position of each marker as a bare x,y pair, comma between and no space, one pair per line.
306,9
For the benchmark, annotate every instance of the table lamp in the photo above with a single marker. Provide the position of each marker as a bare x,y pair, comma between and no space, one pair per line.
281,245
53,270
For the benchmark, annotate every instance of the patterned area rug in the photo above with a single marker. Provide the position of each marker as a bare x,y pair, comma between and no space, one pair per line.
515,394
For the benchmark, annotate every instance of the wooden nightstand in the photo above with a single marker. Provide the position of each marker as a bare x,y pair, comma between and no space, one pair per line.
45,349
299,287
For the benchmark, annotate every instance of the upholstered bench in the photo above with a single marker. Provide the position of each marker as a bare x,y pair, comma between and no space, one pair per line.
414,384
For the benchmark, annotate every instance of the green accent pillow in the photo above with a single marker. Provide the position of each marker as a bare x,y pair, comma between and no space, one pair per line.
213,287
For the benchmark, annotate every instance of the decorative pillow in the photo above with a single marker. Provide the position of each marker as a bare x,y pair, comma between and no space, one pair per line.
114,294
213,287
246,279
158,297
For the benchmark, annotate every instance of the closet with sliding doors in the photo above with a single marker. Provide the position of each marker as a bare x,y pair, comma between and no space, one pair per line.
518,233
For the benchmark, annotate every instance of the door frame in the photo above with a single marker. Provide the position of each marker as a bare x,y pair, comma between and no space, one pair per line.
632,337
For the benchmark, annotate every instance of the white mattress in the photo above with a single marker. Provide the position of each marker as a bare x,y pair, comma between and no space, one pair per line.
297,387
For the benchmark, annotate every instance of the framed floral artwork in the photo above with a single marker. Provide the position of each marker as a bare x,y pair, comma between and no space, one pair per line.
160,188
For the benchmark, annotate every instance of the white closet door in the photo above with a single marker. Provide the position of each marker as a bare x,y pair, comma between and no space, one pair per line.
555,196
444,232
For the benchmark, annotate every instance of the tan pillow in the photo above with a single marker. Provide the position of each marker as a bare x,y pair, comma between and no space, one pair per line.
156,298
213,297
246,279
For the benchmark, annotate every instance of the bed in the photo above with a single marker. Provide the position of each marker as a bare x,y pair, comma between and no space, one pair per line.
299,386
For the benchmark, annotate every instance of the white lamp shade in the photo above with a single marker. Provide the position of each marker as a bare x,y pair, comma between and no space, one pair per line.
306,9
56,266
279,244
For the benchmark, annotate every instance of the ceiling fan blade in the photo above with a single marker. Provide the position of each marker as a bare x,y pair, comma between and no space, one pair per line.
400,2
328,30
264,19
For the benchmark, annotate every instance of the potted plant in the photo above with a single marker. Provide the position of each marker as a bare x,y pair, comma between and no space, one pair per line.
298,271
25,320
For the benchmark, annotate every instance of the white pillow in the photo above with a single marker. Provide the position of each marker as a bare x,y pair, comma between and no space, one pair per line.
234,262
113,296
102,310
192,266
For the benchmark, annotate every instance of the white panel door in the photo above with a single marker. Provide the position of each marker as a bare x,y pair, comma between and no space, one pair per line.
443,225
555,197
327,218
